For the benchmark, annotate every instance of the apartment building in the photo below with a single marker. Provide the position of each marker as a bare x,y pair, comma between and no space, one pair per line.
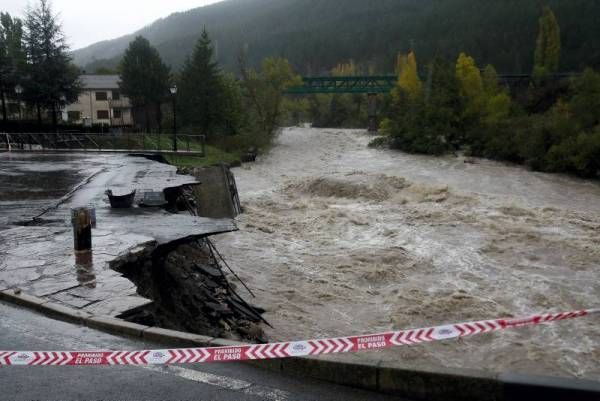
100,103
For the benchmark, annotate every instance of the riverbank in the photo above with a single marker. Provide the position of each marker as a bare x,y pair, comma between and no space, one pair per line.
341,239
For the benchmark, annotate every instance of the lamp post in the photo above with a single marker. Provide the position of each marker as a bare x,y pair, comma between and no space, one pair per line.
18,91
173,95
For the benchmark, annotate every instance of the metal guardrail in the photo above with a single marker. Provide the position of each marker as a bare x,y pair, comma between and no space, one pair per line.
96,142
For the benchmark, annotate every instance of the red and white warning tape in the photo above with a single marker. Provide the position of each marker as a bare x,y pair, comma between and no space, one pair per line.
280,350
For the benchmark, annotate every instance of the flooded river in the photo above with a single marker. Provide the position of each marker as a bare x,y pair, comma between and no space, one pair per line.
340,239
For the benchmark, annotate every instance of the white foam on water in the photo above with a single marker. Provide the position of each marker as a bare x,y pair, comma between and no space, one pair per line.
341,239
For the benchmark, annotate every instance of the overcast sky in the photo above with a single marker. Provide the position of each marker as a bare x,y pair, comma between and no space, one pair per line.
86,22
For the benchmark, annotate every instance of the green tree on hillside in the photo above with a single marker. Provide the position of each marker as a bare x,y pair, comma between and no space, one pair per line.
144,78
575,129
52,81
547,48
585,103
264,93
430,123
202,91
12,57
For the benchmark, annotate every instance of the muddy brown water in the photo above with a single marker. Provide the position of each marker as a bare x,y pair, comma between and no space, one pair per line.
339,239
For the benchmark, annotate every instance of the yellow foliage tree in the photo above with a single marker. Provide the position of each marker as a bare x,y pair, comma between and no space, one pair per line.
408,78
469,79
484,99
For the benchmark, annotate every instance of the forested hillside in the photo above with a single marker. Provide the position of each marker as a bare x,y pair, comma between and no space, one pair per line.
316,34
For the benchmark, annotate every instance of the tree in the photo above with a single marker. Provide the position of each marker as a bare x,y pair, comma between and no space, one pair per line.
490,80
202,90
428,123
585,103
547,49
144,78
263,91
408,79
441,115
12,57
52,80
470,87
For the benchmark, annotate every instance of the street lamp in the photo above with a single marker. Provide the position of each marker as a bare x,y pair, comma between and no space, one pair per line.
18,91
173,95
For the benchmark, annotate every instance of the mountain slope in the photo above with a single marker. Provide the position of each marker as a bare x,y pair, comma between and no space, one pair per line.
316,34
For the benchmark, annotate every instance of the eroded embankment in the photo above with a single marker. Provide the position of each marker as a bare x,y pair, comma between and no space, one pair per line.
185,280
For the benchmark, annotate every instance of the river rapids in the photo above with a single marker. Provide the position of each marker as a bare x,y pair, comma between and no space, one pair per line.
340,239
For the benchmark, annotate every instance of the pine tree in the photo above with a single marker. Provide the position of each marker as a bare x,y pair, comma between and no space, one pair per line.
547,50
202,93
144,78
441,115
12,57
52,80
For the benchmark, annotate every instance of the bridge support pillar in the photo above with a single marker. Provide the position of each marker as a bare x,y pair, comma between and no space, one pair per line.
372,112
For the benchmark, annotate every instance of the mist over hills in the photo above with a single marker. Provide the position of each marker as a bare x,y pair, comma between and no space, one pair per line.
316,34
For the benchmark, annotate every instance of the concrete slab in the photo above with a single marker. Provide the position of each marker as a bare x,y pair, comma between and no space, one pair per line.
69,300
116,305
40,260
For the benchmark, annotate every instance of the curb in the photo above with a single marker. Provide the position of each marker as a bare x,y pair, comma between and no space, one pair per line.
430,385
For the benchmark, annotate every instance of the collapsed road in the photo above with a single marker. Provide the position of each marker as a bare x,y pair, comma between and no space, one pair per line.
148,265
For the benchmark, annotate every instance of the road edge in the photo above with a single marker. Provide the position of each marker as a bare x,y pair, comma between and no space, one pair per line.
418,384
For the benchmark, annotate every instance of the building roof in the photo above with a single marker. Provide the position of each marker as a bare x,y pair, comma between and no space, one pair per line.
99,81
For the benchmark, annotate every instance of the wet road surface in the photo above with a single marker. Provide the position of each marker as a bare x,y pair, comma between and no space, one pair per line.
29,183
24,330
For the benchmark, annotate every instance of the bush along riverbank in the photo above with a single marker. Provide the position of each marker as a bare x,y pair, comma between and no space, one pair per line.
552,125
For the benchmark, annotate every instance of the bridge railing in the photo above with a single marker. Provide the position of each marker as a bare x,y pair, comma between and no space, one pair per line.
111,142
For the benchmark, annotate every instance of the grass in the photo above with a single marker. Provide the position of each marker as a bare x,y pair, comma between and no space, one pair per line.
213,156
